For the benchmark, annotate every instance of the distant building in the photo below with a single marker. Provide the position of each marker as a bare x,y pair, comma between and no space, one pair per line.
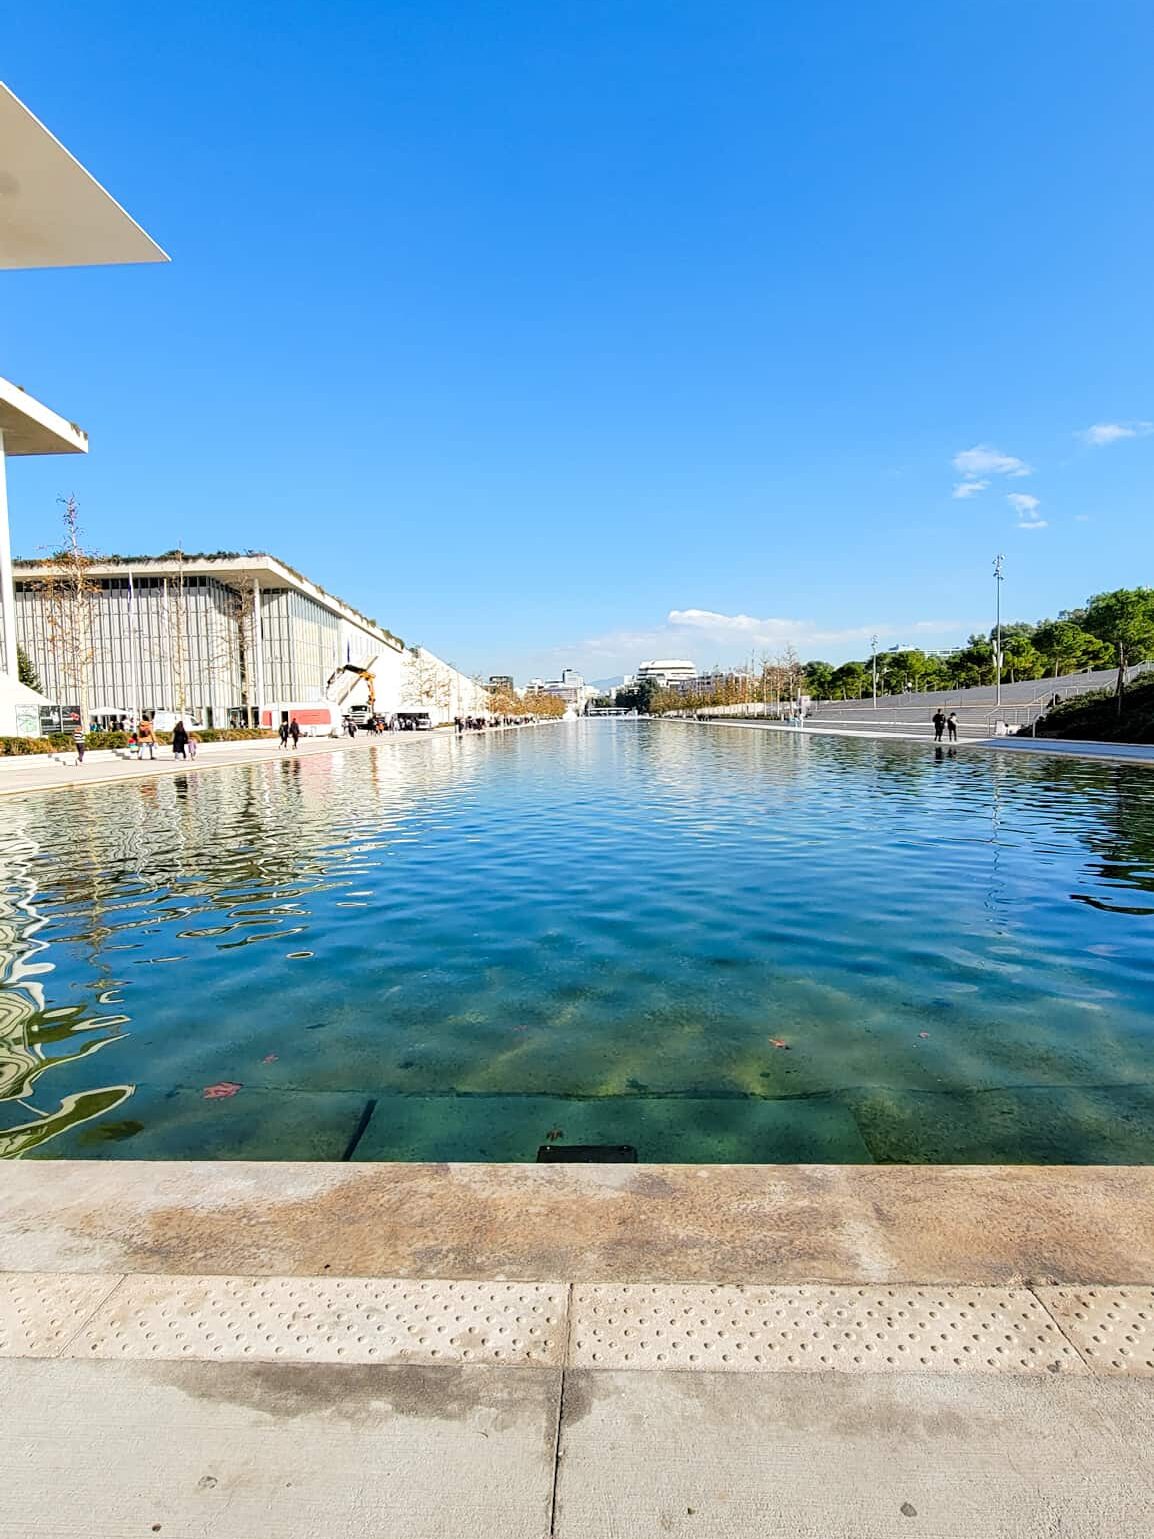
502,683
570,687
666,671
727,679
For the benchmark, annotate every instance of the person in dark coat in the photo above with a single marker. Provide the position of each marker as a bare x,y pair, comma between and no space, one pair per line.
295,731
952,725
179,741
284,734
939,720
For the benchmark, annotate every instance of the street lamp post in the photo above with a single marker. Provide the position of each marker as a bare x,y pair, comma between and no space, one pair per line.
999,561
874,649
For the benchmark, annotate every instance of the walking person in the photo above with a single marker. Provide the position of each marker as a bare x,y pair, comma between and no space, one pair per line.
939,720
146,738
295,731
79,743
179,741
952,726
193,745
284,733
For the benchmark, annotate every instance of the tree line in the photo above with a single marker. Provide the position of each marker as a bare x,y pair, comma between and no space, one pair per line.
1111,630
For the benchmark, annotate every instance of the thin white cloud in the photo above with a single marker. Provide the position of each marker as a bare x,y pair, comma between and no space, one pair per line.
706,636
1022,503
1026,507
1110,432
984,460
1081,518
969,488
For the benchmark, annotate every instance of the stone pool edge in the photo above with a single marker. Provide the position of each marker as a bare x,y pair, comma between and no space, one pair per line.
914,1224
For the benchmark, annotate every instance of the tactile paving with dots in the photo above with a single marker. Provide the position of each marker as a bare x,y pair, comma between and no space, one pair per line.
41,1311
1113,1328
329,1320
815,1329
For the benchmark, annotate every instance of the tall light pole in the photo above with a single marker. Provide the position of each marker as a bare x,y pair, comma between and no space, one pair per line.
999,561
874,649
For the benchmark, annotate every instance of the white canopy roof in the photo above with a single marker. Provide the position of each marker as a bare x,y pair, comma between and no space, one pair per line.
53,213
29,427
12,692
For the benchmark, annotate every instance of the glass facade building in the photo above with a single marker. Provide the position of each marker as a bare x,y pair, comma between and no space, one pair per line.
212,637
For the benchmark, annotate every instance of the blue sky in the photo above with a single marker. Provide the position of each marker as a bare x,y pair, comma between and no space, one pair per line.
572,334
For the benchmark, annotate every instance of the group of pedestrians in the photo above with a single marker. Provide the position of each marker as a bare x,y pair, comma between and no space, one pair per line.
479,723
290,729
943,723
142,738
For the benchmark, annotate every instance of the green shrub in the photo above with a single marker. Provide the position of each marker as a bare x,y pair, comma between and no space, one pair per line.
18,746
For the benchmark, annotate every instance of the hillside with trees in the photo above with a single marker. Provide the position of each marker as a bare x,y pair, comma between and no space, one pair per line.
1111,630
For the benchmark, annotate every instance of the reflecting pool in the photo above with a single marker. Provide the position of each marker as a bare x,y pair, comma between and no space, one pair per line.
709,943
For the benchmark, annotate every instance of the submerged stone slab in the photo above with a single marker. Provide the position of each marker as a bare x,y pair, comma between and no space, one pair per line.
1051,1125
279,1451
846,1456
585,1223
181,1124
512,1128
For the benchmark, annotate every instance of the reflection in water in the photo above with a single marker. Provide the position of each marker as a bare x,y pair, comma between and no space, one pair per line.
707,943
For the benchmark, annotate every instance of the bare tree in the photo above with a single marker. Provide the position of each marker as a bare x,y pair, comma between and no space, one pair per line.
420,679
68,592
176,594
233,661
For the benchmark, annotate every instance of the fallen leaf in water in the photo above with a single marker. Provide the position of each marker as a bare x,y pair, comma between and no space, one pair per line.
923,1033
779,1042
554,1134
219,1092
269,1058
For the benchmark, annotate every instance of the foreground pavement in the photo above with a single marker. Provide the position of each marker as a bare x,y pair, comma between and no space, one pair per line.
575,1351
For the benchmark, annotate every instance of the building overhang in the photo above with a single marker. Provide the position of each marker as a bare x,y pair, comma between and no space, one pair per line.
53,213
255,566
29,427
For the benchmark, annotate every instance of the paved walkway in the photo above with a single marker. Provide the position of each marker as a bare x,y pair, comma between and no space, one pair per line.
1134,753
209,1350
36,773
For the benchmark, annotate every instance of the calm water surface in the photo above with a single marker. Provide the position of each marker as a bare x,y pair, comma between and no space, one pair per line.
712,944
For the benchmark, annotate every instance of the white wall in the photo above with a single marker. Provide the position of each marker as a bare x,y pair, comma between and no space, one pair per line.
428,683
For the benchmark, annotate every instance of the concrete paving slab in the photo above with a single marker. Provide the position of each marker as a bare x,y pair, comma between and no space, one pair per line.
584,1223
267,1451
1113,1328
660,1326
40,1313
329,1320
844,1456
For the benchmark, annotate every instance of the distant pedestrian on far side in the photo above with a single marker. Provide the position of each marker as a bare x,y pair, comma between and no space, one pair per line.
295,731
939,720
193,745
952,725
284,734
145,738
179,740
80,744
